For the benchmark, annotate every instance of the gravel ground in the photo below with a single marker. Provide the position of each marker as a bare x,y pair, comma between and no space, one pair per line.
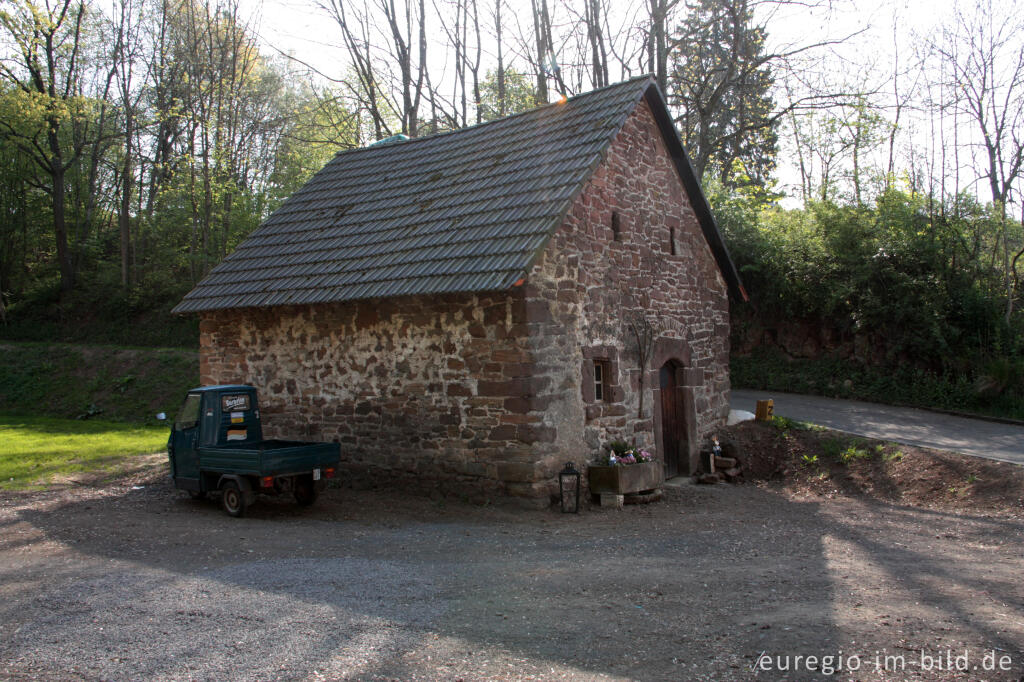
123,583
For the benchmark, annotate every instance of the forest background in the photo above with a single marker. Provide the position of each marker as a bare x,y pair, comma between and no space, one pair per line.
869,188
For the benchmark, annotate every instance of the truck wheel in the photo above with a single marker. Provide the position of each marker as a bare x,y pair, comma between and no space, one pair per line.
233,499
305,491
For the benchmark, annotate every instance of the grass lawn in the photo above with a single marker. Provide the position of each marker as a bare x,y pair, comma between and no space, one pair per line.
35,450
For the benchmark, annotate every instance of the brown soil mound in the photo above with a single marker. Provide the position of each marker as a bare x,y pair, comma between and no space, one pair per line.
810,461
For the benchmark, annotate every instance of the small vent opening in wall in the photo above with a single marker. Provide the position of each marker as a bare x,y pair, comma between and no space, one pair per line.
616,227
672,240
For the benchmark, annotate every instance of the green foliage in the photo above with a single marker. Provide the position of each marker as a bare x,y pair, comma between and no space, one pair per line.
222,135
320,126
893,456
893,271
619,447
853,452
906,296
519,95
785,424
102,312
115,384
35,450
844,449
768,369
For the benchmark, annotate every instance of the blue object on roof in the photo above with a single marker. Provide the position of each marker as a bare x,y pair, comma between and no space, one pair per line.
388,140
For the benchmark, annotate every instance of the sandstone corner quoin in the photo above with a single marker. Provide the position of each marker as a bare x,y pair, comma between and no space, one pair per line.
460,311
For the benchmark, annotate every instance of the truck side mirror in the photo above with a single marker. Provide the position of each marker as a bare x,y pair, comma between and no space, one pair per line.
161,416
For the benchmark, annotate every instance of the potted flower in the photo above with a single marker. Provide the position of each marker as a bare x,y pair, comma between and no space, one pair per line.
623,469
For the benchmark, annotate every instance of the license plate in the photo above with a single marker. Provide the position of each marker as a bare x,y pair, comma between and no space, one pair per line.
316,474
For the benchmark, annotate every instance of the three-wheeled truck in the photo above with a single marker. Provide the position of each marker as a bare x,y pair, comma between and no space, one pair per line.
216,444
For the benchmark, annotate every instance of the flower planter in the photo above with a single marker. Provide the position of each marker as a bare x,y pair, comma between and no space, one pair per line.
625,479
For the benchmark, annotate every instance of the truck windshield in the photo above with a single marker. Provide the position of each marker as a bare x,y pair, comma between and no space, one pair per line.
188,415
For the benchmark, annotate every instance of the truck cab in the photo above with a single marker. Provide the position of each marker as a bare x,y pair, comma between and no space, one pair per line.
216,444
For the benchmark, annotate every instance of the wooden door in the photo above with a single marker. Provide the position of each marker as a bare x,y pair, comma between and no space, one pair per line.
673,435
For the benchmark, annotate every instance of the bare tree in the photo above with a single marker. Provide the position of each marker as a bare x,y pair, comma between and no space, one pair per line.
642,334
660,13
722,81
545,59
985,60
126,55
387,45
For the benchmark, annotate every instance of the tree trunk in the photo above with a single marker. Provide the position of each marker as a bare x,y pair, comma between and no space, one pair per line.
127,178
502,109
60,229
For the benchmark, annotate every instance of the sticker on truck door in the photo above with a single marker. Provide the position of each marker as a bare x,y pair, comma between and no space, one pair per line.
237,417
230,403
238,434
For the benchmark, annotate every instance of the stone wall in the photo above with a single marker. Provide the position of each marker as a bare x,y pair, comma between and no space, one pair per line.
631,245
488,395
436,393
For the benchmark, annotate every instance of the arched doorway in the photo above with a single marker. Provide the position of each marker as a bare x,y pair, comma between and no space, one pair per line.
673,422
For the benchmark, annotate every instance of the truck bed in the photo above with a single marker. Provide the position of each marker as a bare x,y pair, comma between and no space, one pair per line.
268,457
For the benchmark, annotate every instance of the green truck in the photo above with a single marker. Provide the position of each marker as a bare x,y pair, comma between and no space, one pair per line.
216,444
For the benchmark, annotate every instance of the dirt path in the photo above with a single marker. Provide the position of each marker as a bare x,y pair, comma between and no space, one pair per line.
131,583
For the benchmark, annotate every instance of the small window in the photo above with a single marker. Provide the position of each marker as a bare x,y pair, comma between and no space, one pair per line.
602,380
672,240
616,227
188,415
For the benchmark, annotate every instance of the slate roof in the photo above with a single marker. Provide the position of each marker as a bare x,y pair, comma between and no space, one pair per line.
463,211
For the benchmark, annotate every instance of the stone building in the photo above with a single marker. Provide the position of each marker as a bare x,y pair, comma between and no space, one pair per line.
458,311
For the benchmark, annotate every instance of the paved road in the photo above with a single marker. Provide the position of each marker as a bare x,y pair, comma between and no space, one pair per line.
977,437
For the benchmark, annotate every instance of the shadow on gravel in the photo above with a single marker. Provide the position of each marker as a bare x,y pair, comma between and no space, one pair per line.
938,581
369,585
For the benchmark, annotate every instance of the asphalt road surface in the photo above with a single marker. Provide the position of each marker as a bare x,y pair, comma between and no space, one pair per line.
976,437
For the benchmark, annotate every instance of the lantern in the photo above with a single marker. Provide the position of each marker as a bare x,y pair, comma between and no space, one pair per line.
569,488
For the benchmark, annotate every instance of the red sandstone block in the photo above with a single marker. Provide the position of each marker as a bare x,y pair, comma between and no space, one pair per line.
519,472
458,390
515,370
532,310
494,314
614,410
503,432
524,405
521,418
526,386
536,433
515,355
